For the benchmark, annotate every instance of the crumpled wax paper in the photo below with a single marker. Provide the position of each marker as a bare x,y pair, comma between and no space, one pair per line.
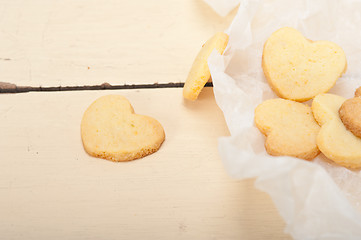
318,199
223,7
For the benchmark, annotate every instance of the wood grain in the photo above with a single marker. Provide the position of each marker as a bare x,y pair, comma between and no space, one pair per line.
51,189
81,42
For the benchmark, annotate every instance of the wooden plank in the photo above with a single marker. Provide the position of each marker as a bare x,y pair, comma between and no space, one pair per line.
80,42
51,189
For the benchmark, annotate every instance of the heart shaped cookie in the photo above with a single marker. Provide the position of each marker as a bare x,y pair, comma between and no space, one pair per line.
199,73
111,130
334,140
350,114
299,69
289,127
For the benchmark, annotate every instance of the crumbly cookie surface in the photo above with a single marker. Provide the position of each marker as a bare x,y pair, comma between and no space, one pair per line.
111,130
299,69
350,114
199,73
334,140
358,92
289,127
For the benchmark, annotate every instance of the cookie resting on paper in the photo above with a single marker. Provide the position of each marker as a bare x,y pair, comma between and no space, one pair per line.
299,69
350,113
334,140
289,127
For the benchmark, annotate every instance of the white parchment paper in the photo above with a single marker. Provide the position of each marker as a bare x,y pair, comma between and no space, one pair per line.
318,199
223,7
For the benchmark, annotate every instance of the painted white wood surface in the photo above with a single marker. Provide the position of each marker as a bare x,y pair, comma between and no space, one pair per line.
51,189
81,42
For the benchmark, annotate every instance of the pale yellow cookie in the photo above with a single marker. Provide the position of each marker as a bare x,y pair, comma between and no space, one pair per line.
299,69
199,73
111,130
289,127
334,140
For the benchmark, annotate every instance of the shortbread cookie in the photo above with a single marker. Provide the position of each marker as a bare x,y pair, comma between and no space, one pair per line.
289,127
199,73
350,114
299,69
111,130
334,140
358,92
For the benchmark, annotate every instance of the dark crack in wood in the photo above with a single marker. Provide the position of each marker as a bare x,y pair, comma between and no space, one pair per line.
7,86
12,88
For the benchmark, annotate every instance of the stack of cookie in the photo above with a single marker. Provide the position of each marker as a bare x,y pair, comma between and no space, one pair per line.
298,70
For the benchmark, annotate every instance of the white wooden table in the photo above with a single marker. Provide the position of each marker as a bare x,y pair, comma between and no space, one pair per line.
51,189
